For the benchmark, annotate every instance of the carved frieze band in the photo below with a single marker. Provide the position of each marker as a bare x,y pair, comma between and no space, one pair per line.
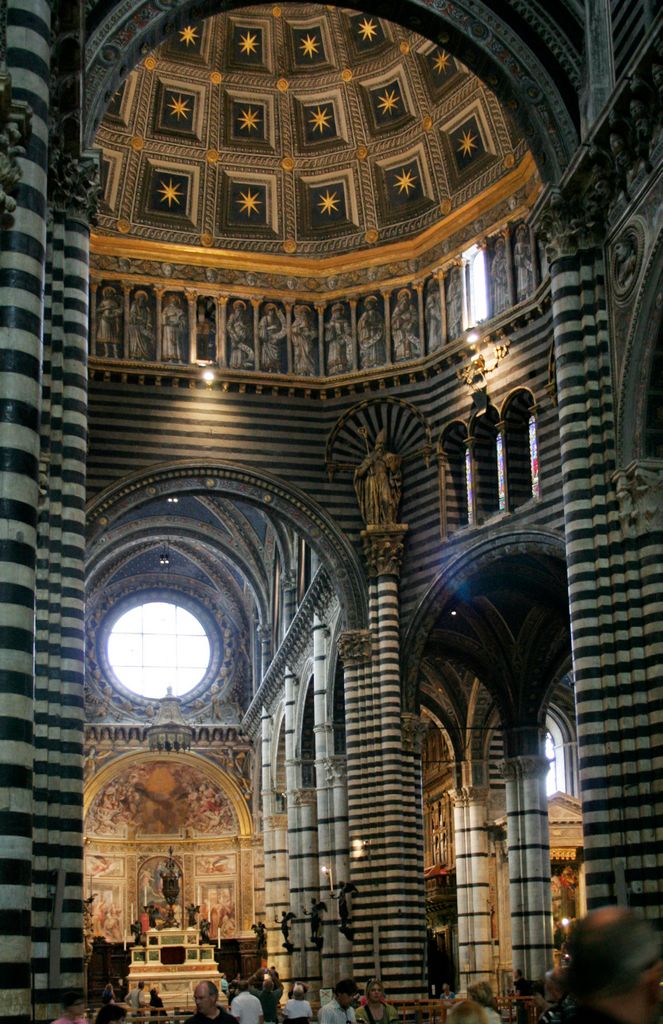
463,796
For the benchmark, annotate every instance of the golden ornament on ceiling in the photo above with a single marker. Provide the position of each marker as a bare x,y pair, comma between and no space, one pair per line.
150,63
346,75
288,164
216,78
137,143
290,245
371,236
123,226
283,85
212,156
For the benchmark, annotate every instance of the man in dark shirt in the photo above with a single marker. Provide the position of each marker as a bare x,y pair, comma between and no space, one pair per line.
615,968
268,1001
206,995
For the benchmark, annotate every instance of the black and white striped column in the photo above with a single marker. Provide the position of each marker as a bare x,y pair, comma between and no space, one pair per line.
614,554
59,686
472,884
22,258
529,864
275,837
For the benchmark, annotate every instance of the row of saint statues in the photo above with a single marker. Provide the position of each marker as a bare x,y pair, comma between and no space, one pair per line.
134,323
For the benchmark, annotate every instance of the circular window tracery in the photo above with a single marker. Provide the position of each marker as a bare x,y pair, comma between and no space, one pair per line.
158,644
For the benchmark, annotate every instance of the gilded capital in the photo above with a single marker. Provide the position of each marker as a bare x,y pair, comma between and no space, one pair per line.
354,645
383,548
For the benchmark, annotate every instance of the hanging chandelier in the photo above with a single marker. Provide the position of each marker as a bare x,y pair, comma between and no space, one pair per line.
169,731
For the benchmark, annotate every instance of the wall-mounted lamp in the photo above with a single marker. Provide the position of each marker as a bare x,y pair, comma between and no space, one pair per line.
328,871
164,557
480,365
209,376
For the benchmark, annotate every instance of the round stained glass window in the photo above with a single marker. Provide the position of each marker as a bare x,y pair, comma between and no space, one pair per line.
157,645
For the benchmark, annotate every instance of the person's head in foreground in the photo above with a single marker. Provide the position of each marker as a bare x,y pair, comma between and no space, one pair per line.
345,992
615,965
206,994
467,1012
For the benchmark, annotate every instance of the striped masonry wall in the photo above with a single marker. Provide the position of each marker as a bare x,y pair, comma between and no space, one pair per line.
22,258
615,606
59,684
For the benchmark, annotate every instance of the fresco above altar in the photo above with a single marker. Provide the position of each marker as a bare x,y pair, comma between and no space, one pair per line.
160,799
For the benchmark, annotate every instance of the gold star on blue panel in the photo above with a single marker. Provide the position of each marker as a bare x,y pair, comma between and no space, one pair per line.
387,104
327,204
308,47
248,120
169,192
441,65
367,32
319,122
248,204
187,40
177,110
466,143
404,183
247,45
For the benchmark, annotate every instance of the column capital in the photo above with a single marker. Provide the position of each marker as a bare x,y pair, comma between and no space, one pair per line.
73,181
335,768
15,118
639,491
526,766
354,645
273,821
463,796
413,732
383,548
302,797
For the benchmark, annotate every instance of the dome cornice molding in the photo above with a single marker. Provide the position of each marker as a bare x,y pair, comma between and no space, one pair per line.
171,263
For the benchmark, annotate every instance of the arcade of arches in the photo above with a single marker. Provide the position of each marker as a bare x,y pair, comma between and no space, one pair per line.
331,429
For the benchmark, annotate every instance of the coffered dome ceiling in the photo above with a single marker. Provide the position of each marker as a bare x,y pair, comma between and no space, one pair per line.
303,130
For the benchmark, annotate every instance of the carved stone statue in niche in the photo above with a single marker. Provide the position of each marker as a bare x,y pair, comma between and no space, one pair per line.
433,315
405,326
370,332
271,331
378,484
206,329
173,330
303,334
626,258
522,258
454,303
109,323
141,327
498,277
338,337
239,332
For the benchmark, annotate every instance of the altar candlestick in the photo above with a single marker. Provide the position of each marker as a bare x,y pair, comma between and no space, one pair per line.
218,937
125,942
132,913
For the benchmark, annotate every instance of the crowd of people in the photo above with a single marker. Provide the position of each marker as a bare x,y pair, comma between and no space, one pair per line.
612,975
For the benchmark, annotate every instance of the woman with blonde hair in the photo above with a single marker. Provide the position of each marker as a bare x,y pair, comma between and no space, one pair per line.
482,993
467,1012
376,1008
